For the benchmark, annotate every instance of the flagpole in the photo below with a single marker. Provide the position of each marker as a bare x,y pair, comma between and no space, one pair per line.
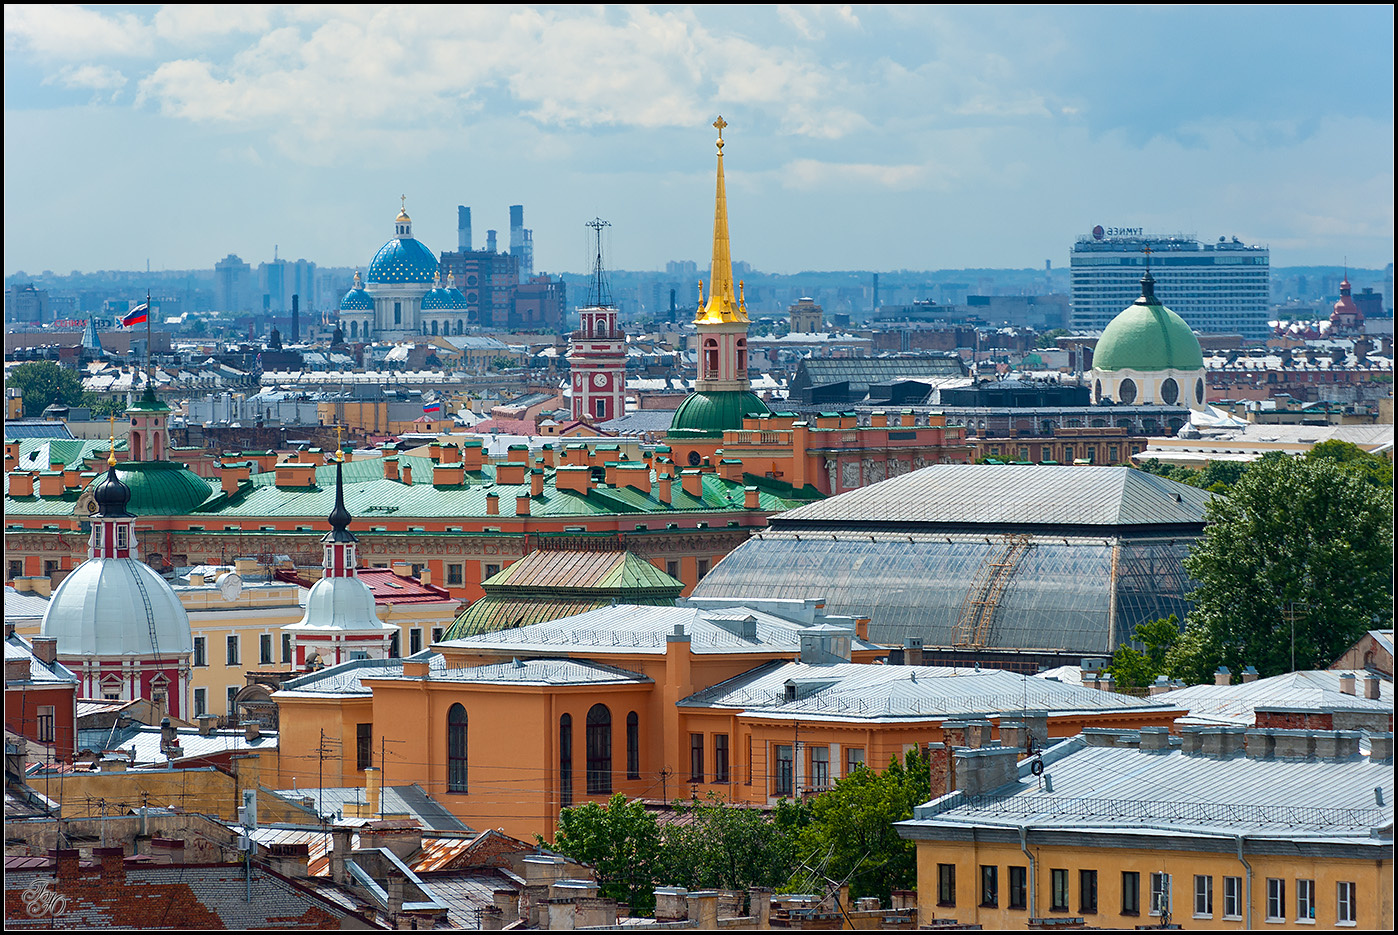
150,370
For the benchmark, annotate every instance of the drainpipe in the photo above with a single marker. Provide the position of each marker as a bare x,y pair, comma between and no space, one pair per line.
1033,872
1247,887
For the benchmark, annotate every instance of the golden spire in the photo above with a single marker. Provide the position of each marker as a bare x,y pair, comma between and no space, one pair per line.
111,448
403,209
724,304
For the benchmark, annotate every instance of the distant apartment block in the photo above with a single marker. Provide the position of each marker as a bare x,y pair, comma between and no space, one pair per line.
1221,287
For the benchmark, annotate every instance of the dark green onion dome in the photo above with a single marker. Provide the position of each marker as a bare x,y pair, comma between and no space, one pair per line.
157,488
708,415
1147,336
339,517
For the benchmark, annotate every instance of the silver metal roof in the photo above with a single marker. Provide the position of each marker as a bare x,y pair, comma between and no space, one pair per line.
541,672
409,800
637,628
847,691
1317,690
1126,790
1016,495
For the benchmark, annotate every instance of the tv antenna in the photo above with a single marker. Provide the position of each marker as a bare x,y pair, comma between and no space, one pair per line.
599,293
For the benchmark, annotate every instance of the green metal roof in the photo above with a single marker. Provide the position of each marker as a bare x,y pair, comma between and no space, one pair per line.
707,415
1147,336
162,488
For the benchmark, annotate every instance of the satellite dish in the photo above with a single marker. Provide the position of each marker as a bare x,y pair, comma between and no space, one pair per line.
230,585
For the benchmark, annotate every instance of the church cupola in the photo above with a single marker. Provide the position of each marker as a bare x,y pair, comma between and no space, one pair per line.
403,225
113,526
340,544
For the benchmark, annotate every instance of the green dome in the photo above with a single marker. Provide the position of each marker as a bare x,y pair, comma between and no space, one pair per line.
707,415
1147,336
161,488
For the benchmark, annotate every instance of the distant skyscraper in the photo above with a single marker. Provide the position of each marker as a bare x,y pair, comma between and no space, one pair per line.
231,292
1222,287
463,229
521,243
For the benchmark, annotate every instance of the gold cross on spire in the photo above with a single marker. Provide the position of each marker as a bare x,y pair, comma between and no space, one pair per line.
719,124
111,450
403,199
339,430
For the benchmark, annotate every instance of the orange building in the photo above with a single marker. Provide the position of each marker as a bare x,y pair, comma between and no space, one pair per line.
753,701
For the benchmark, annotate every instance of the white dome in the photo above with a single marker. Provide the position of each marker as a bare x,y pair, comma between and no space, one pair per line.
111,607
340,604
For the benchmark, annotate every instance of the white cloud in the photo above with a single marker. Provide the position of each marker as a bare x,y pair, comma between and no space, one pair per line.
89,77
199,22
811,174
72,32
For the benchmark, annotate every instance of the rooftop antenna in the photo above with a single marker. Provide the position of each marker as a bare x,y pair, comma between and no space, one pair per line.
599,293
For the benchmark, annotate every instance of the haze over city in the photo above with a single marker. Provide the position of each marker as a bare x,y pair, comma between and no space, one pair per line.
859,138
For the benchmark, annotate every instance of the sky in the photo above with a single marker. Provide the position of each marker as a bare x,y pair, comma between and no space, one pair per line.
876,138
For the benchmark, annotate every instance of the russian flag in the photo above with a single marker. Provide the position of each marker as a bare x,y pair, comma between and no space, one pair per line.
432,409
135,316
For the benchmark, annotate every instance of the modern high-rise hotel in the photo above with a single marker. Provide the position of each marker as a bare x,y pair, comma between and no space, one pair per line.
1219,287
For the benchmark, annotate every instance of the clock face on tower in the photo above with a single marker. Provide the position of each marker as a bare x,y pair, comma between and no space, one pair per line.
599,380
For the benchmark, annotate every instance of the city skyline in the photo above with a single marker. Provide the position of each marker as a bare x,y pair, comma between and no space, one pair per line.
866,138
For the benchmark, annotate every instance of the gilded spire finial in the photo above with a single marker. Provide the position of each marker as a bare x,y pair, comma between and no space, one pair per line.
111,450
339,432
723,304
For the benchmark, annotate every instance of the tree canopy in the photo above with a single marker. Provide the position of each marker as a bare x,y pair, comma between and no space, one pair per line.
1295,563
621,841
43,383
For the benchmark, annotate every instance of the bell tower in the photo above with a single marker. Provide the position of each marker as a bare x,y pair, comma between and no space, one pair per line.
597,351
722,321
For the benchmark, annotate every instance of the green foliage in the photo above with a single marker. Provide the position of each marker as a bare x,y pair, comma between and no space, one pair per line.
851,834
1374,469
1300,545
1216,476
1049,338
43,383
727,846
621,841
1131,668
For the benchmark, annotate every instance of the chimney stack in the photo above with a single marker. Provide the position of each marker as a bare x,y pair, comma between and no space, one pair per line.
1221,676
1347,683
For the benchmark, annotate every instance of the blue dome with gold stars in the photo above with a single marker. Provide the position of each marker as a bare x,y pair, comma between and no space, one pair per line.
357,300
403,260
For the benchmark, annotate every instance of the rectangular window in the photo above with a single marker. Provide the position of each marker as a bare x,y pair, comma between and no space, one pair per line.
44,723
696,757
854,758
232,651
1130,893
1060,890
437,634
201,651
201,701
1232,897
946,885
1112,453
264,648
1276,900
1305,900
1344,903
1019,887
286,647
749,761
491,571
1087,891
414,641
363,746
720,757
1159,893
671,568
1203,897
702,568
232,691
990,887
17,566
781,770
454,576
123,536
820,767
1068,454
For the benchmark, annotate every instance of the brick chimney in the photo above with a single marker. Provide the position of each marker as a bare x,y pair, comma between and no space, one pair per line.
536,482
492,504
390,467
46,650
693,482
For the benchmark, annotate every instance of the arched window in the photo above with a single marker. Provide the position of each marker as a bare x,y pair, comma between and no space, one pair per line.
456,749
354,329
742,357
1170,391
711,359
599,750
633,746
434,327
1199,391
565,760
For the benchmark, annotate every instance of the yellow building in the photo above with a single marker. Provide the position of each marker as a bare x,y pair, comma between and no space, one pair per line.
1216,829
